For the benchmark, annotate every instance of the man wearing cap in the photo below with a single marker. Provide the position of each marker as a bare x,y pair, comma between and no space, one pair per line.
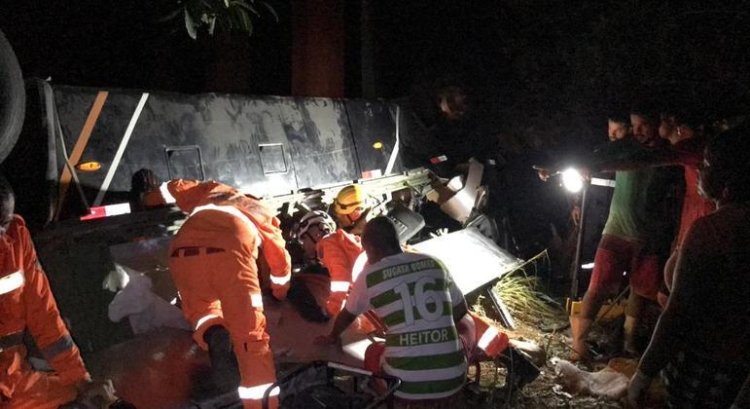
213,263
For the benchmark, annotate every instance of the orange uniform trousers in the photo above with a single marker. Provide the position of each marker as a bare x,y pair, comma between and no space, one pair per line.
221,287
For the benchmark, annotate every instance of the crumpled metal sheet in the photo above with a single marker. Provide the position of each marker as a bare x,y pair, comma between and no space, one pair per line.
472,259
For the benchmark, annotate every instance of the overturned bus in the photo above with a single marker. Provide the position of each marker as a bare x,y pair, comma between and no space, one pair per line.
71,169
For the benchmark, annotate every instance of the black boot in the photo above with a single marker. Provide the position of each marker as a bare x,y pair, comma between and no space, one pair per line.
521,371
224,368
121,404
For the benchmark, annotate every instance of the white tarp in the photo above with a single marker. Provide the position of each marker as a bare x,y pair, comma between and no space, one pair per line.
143,286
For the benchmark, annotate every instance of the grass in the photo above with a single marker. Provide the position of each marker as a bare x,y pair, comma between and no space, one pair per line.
522,293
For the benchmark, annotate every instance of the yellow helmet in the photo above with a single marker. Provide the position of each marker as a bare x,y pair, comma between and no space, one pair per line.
349,200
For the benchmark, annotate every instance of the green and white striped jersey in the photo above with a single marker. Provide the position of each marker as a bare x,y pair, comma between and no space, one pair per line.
414,295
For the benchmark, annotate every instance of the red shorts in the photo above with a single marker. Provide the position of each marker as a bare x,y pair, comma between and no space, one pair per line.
615,257
373,357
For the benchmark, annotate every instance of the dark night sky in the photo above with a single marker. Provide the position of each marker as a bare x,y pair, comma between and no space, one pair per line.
543,60
124,44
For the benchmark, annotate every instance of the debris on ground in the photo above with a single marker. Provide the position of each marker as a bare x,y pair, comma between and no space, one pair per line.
541,320
607,383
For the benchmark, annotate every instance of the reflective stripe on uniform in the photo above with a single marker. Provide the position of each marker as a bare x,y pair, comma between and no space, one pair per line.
61,345
281,280
339,286
168,198
359,265
12,282
202,320
231,210
256,300
257,392
487,337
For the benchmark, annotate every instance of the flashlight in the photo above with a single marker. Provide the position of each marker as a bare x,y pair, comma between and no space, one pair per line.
572,180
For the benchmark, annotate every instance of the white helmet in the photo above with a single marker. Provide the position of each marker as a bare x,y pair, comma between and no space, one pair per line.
315,218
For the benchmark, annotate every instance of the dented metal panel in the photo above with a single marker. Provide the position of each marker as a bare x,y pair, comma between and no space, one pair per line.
374,133
265,145
230,132
321,142
472,258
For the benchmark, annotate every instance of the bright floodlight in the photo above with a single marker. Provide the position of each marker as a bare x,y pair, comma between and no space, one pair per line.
572,180
587,266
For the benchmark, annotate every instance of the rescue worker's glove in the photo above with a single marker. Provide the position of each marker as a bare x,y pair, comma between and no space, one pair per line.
543,172
279,292
334,306
440,185
95,394
359,225
637,389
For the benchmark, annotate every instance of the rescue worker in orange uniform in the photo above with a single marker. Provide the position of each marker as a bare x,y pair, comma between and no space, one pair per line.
144,191
27,304
213,263
310,285
339,250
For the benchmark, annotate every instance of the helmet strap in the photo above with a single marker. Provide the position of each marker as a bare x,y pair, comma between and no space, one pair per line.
311,237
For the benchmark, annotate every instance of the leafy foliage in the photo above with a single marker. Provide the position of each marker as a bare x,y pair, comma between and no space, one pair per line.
208,16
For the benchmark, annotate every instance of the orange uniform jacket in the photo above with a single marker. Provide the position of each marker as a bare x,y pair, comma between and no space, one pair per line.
191,194
337,252
152,199
26,303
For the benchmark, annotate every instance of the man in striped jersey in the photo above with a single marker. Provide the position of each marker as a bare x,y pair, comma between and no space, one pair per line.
414,296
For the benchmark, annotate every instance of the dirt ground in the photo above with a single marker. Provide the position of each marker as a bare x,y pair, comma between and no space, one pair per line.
540,320
546,391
